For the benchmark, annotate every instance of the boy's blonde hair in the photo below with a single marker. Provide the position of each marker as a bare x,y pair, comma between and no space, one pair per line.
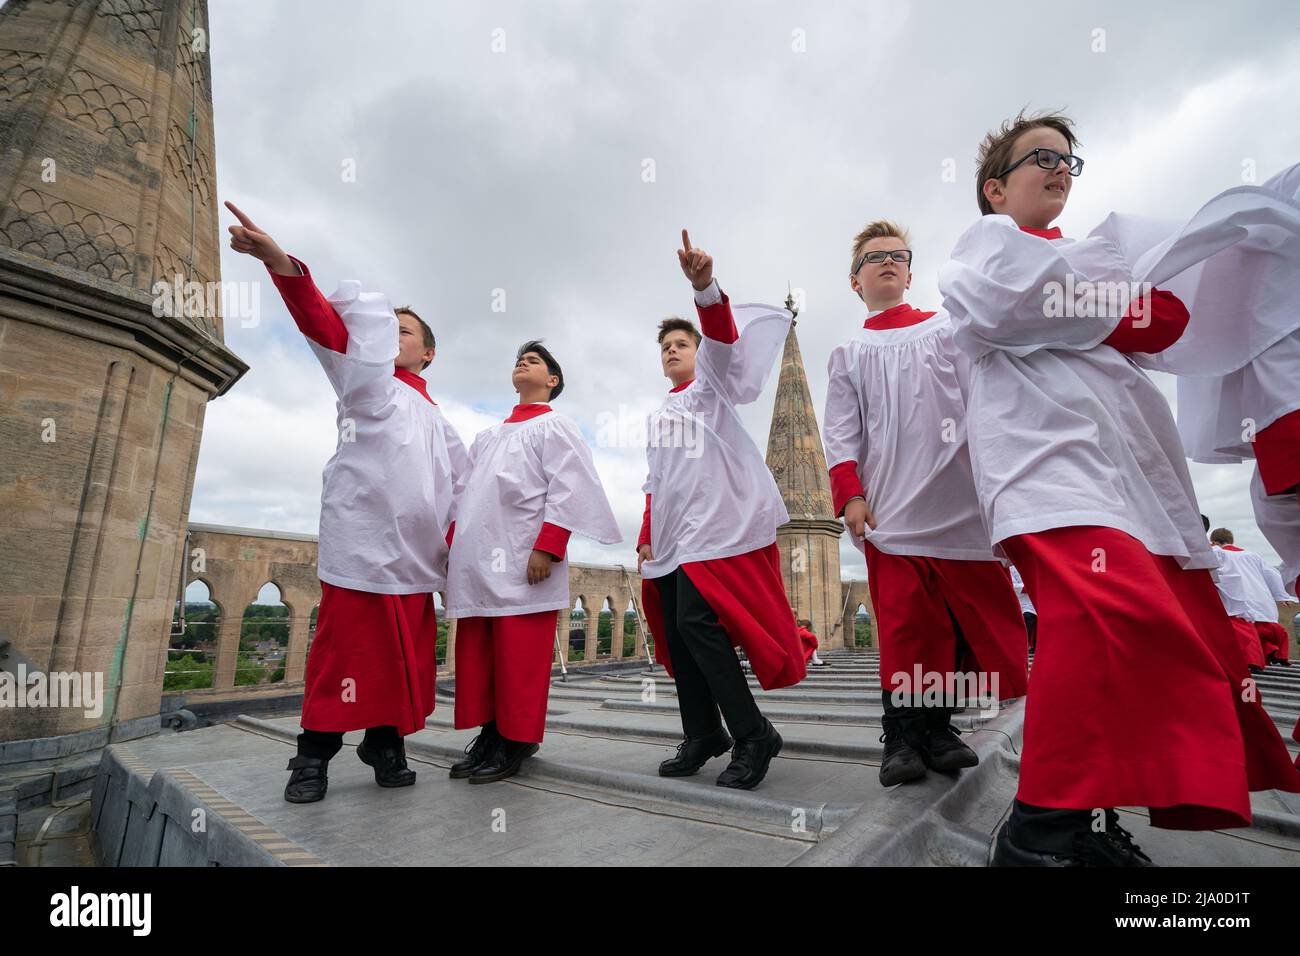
995,151
880,229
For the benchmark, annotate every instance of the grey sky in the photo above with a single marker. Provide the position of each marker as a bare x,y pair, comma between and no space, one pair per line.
523,170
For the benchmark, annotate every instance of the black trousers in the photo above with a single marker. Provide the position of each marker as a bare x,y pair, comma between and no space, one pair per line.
1031,628
705,665
324,744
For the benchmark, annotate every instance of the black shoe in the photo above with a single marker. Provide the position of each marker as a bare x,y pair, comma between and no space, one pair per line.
905,739
389,763
477,752
944,750
309,780
503,760
750,758
1076,844
694,752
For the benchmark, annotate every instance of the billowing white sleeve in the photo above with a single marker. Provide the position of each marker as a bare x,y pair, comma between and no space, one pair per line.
1278,517
842,428
1009,290
739,370
1235,265
362,375
1274,581
462,465
575,498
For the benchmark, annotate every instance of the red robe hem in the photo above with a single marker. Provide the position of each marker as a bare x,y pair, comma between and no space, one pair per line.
372,663
761,624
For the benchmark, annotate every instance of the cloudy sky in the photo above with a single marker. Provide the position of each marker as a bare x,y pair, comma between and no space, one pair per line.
553,151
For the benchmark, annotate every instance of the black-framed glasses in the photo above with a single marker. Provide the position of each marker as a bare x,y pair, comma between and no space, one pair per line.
878,256
1047,159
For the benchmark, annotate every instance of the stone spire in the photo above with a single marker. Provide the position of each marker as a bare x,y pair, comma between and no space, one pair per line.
809,542
107,186
794,442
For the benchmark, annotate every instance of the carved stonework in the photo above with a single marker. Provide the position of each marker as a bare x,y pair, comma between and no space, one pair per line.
139,20
794,446
105,107
197,175
187,59
100,190
71,235
168,265
18,72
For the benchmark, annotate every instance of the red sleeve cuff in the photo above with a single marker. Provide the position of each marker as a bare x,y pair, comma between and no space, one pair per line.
1150,325
716,321
311,311
552,539
845,485
1277,452
451,533
644,537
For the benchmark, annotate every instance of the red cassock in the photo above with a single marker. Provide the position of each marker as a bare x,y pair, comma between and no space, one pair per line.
1273,639
503,673
1142,695
373,660
1249,640
810,644
747,593
911,597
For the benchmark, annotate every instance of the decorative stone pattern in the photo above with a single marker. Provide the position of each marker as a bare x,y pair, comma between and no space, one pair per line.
196,175
139,20
105,107
18,72
94,519
69,234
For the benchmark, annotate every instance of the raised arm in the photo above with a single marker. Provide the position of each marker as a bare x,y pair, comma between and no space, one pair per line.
310,310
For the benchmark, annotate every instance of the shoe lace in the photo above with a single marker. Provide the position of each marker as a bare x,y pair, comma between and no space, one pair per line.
1122,840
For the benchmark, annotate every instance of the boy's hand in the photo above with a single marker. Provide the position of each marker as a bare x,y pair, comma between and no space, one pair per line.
858,513
539,566
643,554
252,241
696,263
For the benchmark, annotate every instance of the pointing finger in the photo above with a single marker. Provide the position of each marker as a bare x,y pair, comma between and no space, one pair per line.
243,219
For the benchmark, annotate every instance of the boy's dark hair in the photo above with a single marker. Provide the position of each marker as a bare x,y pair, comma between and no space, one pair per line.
429,341
675,323
995,151
1221,536
552,366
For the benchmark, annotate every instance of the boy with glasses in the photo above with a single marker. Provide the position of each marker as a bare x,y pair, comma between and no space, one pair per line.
895,435
1136,693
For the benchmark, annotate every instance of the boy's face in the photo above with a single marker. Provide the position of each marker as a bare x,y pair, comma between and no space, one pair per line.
530,375
412,353
1031,195
881,284
677,353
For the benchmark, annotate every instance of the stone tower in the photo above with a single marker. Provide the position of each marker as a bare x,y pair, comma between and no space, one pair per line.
107,186
810,542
